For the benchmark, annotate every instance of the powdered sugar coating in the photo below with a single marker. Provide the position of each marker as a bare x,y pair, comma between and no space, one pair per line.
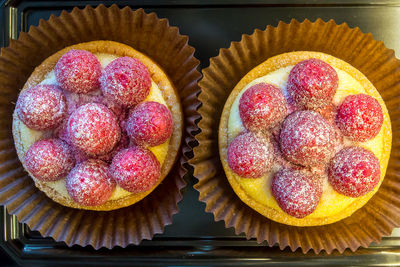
250,155
42,107
262,106
123,143
89,184
354,171
49,159
94,129
135,169
150,123
296,192
307,138
359,117
78,71
312,83
126,80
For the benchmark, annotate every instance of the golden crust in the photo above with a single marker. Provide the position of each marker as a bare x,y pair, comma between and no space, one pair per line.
272,64
158,76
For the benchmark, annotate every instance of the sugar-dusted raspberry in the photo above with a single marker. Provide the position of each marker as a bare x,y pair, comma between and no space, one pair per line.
262,106
135,169
354,171
49,159
89,183
250,155
126,80
297,193
78,71
359,117
312,83
42,107
150,123
307,138
122,144
94,129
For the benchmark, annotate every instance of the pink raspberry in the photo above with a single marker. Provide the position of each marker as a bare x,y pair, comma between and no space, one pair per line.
262,106
122,144
42,107
135,169
359,117
49,159
297,193
78,71
250,155
307,138
94,129
89,184
354,171
312,83
150,123
126,80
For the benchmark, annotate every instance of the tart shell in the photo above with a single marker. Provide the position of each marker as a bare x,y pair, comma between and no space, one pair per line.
157,75
270,65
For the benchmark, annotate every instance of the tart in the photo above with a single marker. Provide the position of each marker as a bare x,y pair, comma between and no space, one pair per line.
305,139
98,126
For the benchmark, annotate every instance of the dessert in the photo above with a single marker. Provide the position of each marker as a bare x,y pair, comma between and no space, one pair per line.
305,139
98,126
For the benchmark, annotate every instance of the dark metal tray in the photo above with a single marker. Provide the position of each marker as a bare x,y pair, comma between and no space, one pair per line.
194,238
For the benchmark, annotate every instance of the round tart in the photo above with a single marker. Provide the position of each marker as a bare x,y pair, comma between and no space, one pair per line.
78,120
305,139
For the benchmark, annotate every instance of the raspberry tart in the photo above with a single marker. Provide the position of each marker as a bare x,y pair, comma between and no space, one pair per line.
98,126
305,139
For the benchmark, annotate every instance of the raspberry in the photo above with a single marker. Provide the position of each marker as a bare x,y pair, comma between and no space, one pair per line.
262,106
42,107
354,171
94,129
312,83
89,184
78,71
150,123
126,80
81,156
307,138
297,193
250,155
359,117
135,169
49,159
122,144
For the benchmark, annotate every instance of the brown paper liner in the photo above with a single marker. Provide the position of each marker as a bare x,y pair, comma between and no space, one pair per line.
379,216
151,36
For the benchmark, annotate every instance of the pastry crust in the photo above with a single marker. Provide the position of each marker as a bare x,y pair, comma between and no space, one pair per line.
157,75
270,65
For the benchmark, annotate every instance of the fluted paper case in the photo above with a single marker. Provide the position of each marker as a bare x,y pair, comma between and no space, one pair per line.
147,34
379,216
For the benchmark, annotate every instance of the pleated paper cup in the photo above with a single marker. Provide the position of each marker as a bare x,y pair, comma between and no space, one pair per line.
379,216
147,34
